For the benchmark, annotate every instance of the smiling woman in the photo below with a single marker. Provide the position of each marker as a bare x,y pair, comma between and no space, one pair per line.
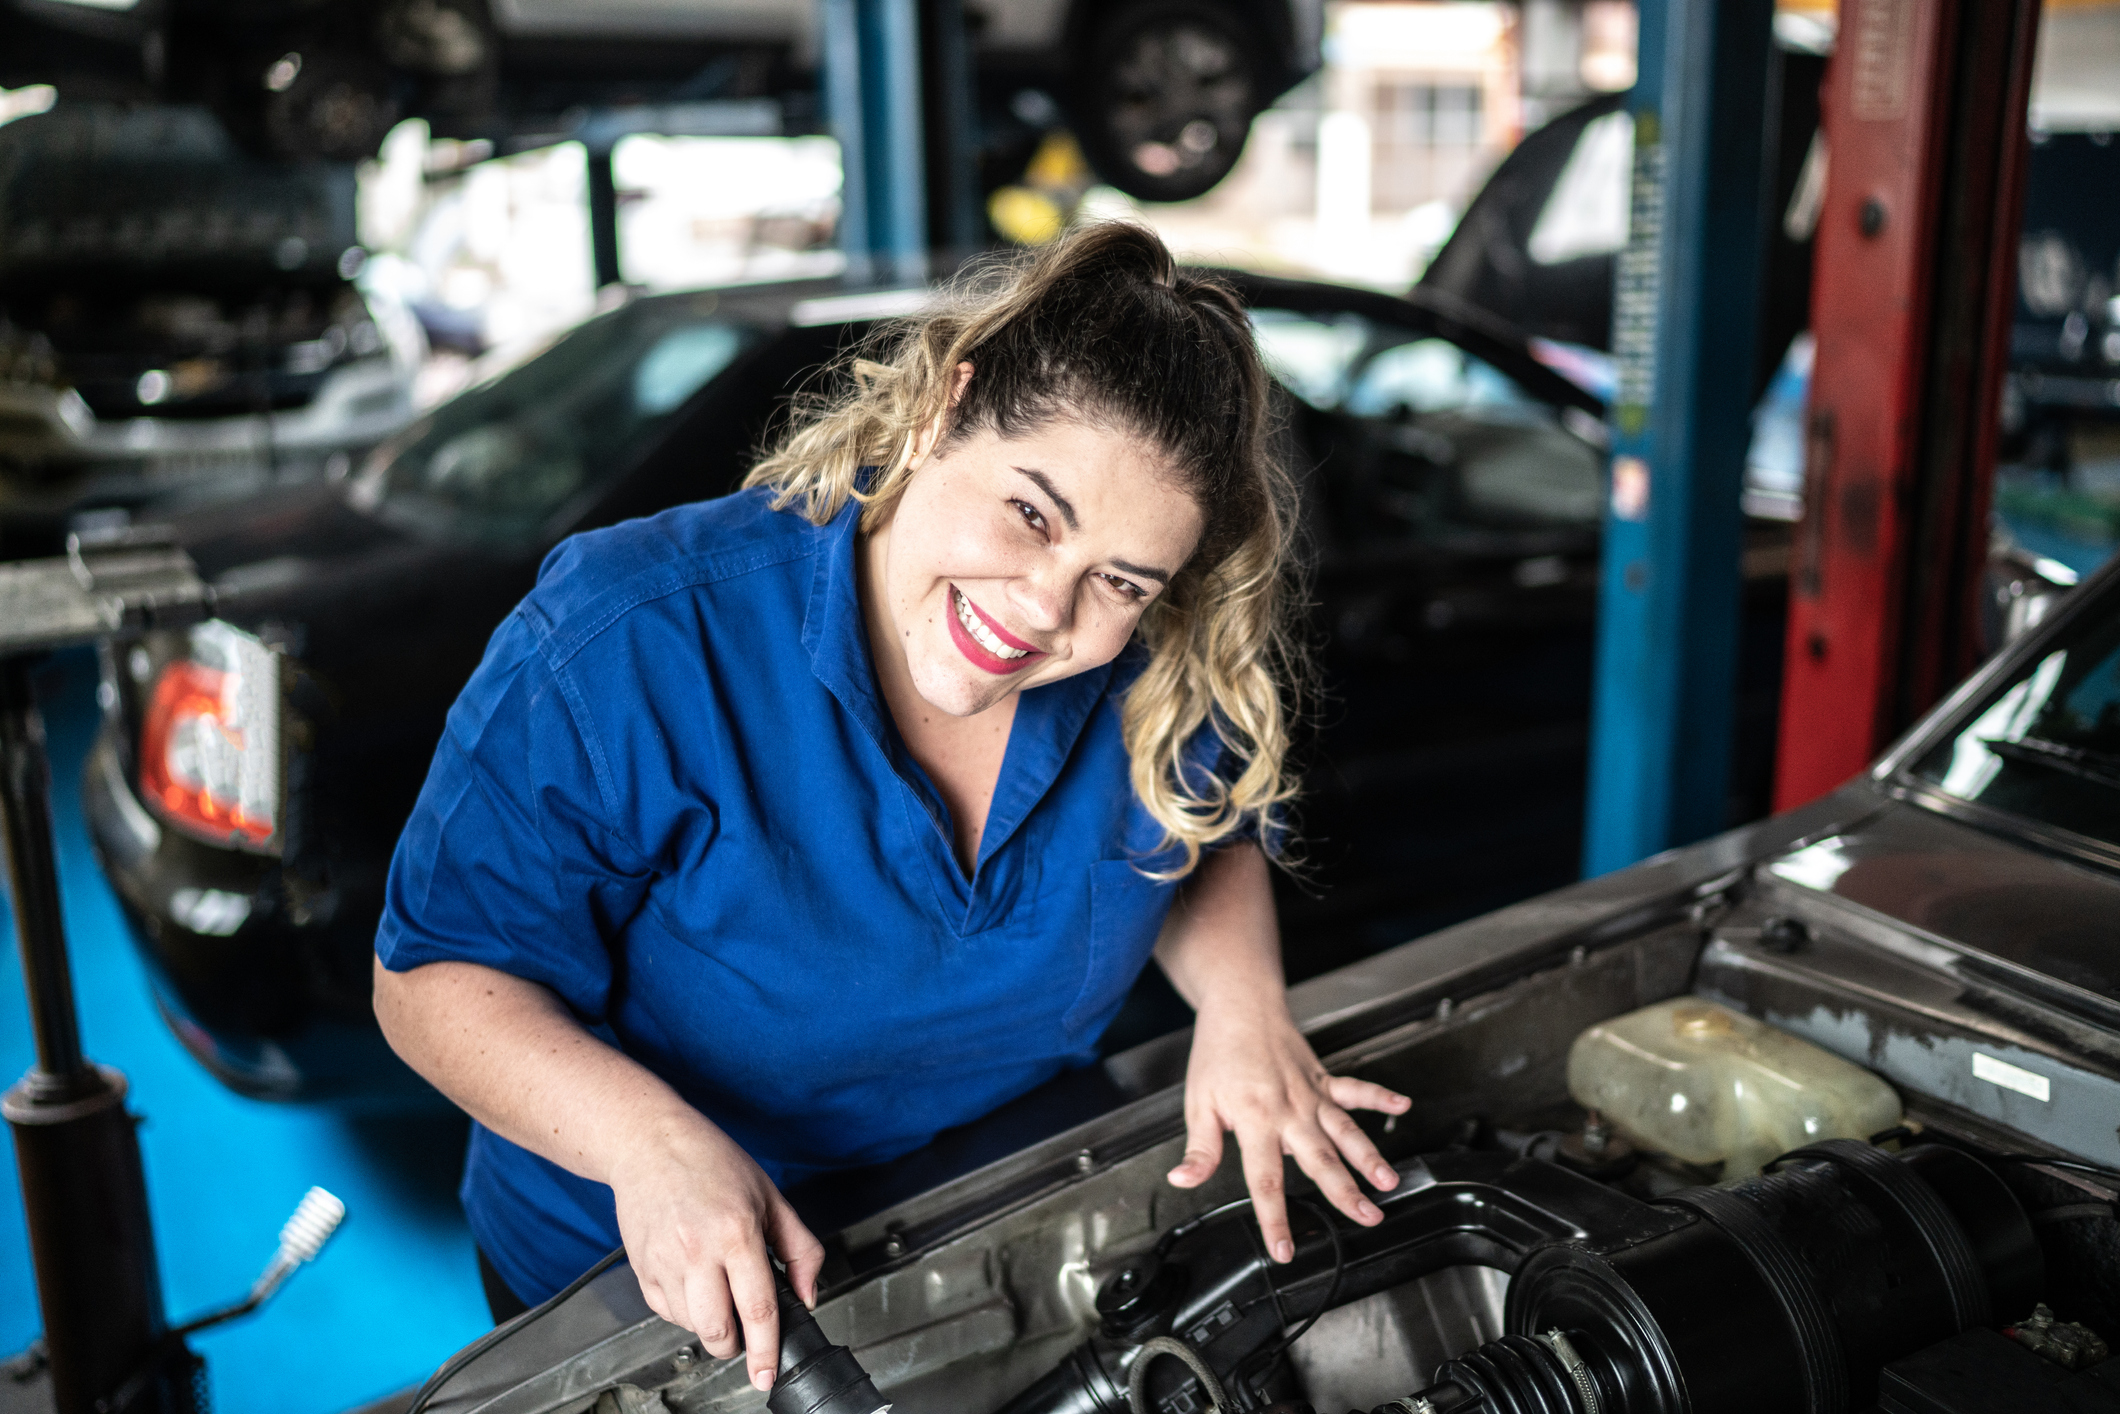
969,705
1099,363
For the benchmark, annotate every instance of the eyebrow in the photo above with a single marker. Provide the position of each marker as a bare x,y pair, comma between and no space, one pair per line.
1045,484
1067,513
1160,576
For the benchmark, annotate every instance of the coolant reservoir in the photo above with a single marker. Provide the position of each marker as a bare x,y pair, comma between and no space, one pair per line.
1708,1085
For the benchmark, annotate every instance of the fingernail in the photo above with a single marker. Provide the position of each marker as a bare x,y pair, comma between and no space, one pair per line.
1284,1251
1386,1176
1368,1212
762,1378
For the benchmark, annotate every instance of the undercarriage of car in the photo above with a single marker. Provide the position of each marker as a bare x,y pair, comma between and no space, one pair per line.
1531,1259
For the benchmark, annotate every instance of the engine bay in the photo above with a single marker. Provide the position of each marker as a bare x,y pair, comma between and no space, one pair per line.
1539,1256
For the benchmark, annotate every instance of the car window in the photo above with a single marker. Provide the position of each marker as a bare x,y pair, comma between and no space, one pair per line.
1312,355
1430,375
1452,439
1586,212
2047,745
501,459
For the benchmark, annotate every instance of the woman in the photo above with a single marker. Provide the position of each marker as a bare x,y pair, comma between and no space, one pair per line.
778,833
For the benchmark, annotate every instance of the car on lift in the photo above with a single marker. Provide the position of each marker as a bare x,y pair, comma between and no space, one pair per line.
1161,93
1815,1115
1539,242
1452,501
177,320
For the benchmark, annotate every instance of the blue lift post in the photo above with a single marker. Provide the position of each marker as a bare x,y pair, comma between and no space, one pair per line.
1685,315
872,91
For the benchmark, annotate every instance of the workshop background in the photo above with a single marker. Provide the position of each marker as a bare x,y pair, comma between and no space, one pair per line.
468,255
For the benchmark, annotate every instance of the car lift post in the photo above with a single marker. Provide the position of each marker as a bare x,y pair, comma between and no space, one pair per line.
83,1190
897,81
1685,308
872,94
1916,269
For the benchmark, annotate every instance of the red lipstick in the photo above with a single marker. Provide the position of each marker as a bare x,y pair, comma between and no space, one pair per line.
977,652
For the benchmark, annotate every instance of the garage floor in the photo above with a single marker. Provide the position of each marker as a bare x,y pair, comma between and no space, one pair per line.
397,1290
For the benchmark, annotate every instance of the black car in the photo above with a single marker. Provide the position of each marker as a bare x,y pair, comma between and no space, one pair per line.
252,774
1539,241
1936,937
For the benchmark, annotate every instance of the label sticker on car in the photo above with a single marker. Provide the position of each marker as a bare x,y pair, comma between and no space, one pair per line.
2012,1077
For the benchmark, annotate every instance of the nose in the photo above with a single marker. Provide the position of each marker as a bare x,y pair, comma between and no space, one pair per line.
1045,598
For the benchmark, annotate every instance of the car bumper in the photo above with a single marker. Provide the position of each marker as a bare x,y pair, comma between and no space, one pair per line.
275,1006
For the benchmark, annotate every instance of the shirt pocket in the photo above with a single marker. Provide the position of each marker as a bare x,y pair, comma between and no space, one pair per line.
1126,911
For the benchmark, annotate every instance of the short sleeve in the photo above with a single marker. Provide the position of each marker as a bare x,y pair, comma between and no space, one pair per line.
507,861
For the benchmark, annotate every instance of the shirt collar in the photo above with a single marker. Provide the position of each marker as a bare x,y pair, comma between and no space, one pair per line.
832,631
1049,719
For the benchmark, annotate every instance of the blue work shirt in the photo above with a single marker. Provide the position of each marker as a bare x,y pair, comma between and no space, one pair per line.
673,794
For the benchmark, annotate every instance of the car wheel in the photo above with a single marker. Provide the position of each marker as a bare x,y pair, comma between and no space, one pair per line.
1166,98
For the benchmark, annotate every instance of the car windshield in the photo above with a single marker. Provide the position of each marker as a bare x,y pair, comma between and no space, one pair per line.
2047,746
1455,441
503,460
1356,365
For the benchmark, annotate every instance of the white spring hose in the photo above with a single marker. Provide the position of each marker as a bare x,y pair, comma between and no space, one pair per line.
315,1219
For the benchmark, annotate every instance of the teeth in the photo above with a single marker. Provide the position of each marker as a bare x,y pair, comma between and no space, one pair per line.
979,631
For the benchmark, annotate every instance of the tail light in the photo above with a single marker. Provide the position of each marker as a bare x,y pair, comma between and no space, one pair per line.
210,760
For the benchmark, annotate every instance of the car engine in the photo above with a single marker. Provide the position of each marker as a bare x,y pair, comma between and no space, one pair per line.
1538,1255
1792,1290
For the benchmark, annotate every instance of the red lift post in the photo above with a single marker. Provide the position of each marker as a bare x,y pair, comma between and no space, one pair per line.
1925,109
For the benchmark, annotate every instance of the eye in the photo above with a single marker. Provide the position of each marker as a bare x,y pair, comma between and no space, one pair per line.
1031,514
1125,587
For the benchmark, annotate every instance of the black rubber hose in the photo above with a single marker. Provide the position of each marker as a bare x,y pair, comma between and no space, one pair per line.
1825,1368
1963,1281
816,1376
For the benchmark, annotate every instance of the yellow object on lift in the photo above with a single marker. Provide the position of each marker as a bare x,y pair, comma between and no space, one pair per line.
1038,208
1707,1085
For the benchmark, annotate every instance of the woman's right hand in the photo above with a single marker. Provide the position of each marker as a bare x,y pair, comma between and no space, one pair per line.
698,1216
695,1212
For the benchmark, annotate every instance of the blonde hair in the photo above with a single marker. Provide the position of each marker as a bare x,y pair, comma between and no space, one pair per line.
1103,325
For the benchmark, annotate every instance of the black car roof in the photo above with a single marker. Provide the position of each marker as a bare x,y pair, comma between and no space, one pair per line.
1423,310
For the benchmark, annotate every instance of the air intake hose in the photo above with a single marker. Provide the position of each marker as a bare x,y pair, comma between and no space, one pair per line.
816,1376
1786,1293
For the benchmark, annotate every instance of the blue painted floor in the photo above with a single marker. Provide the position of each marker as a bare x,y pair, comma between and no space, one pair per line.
396,1291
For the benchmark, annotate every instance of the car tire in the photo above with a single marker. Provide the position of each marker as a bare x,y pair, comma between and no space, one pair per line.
1166,95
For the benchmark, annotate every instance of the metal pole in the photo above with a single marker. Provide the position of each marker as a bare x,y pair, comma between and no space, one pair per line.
1925,114
842,101
83,1190
603,217
1685,311
873,93
949,115
33,891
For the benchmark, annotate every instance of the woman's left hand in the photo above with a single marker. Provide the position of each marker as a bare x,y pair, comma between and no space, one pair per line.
1252,1073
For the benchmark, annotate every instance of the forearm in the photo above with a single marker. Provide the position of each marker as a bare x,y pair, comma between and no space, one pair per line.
1220,945
512,1055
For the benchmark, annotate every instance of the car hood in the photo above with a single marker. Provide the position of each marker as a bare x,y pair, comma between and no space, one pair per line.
2016,915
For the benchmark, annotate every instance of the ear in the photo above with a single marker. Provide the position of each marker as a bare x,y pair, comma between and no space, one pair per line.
924,441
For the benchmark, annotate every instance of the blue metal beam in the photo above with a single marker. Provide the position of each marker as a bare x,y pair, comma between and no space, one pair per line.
1685,312
872,96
